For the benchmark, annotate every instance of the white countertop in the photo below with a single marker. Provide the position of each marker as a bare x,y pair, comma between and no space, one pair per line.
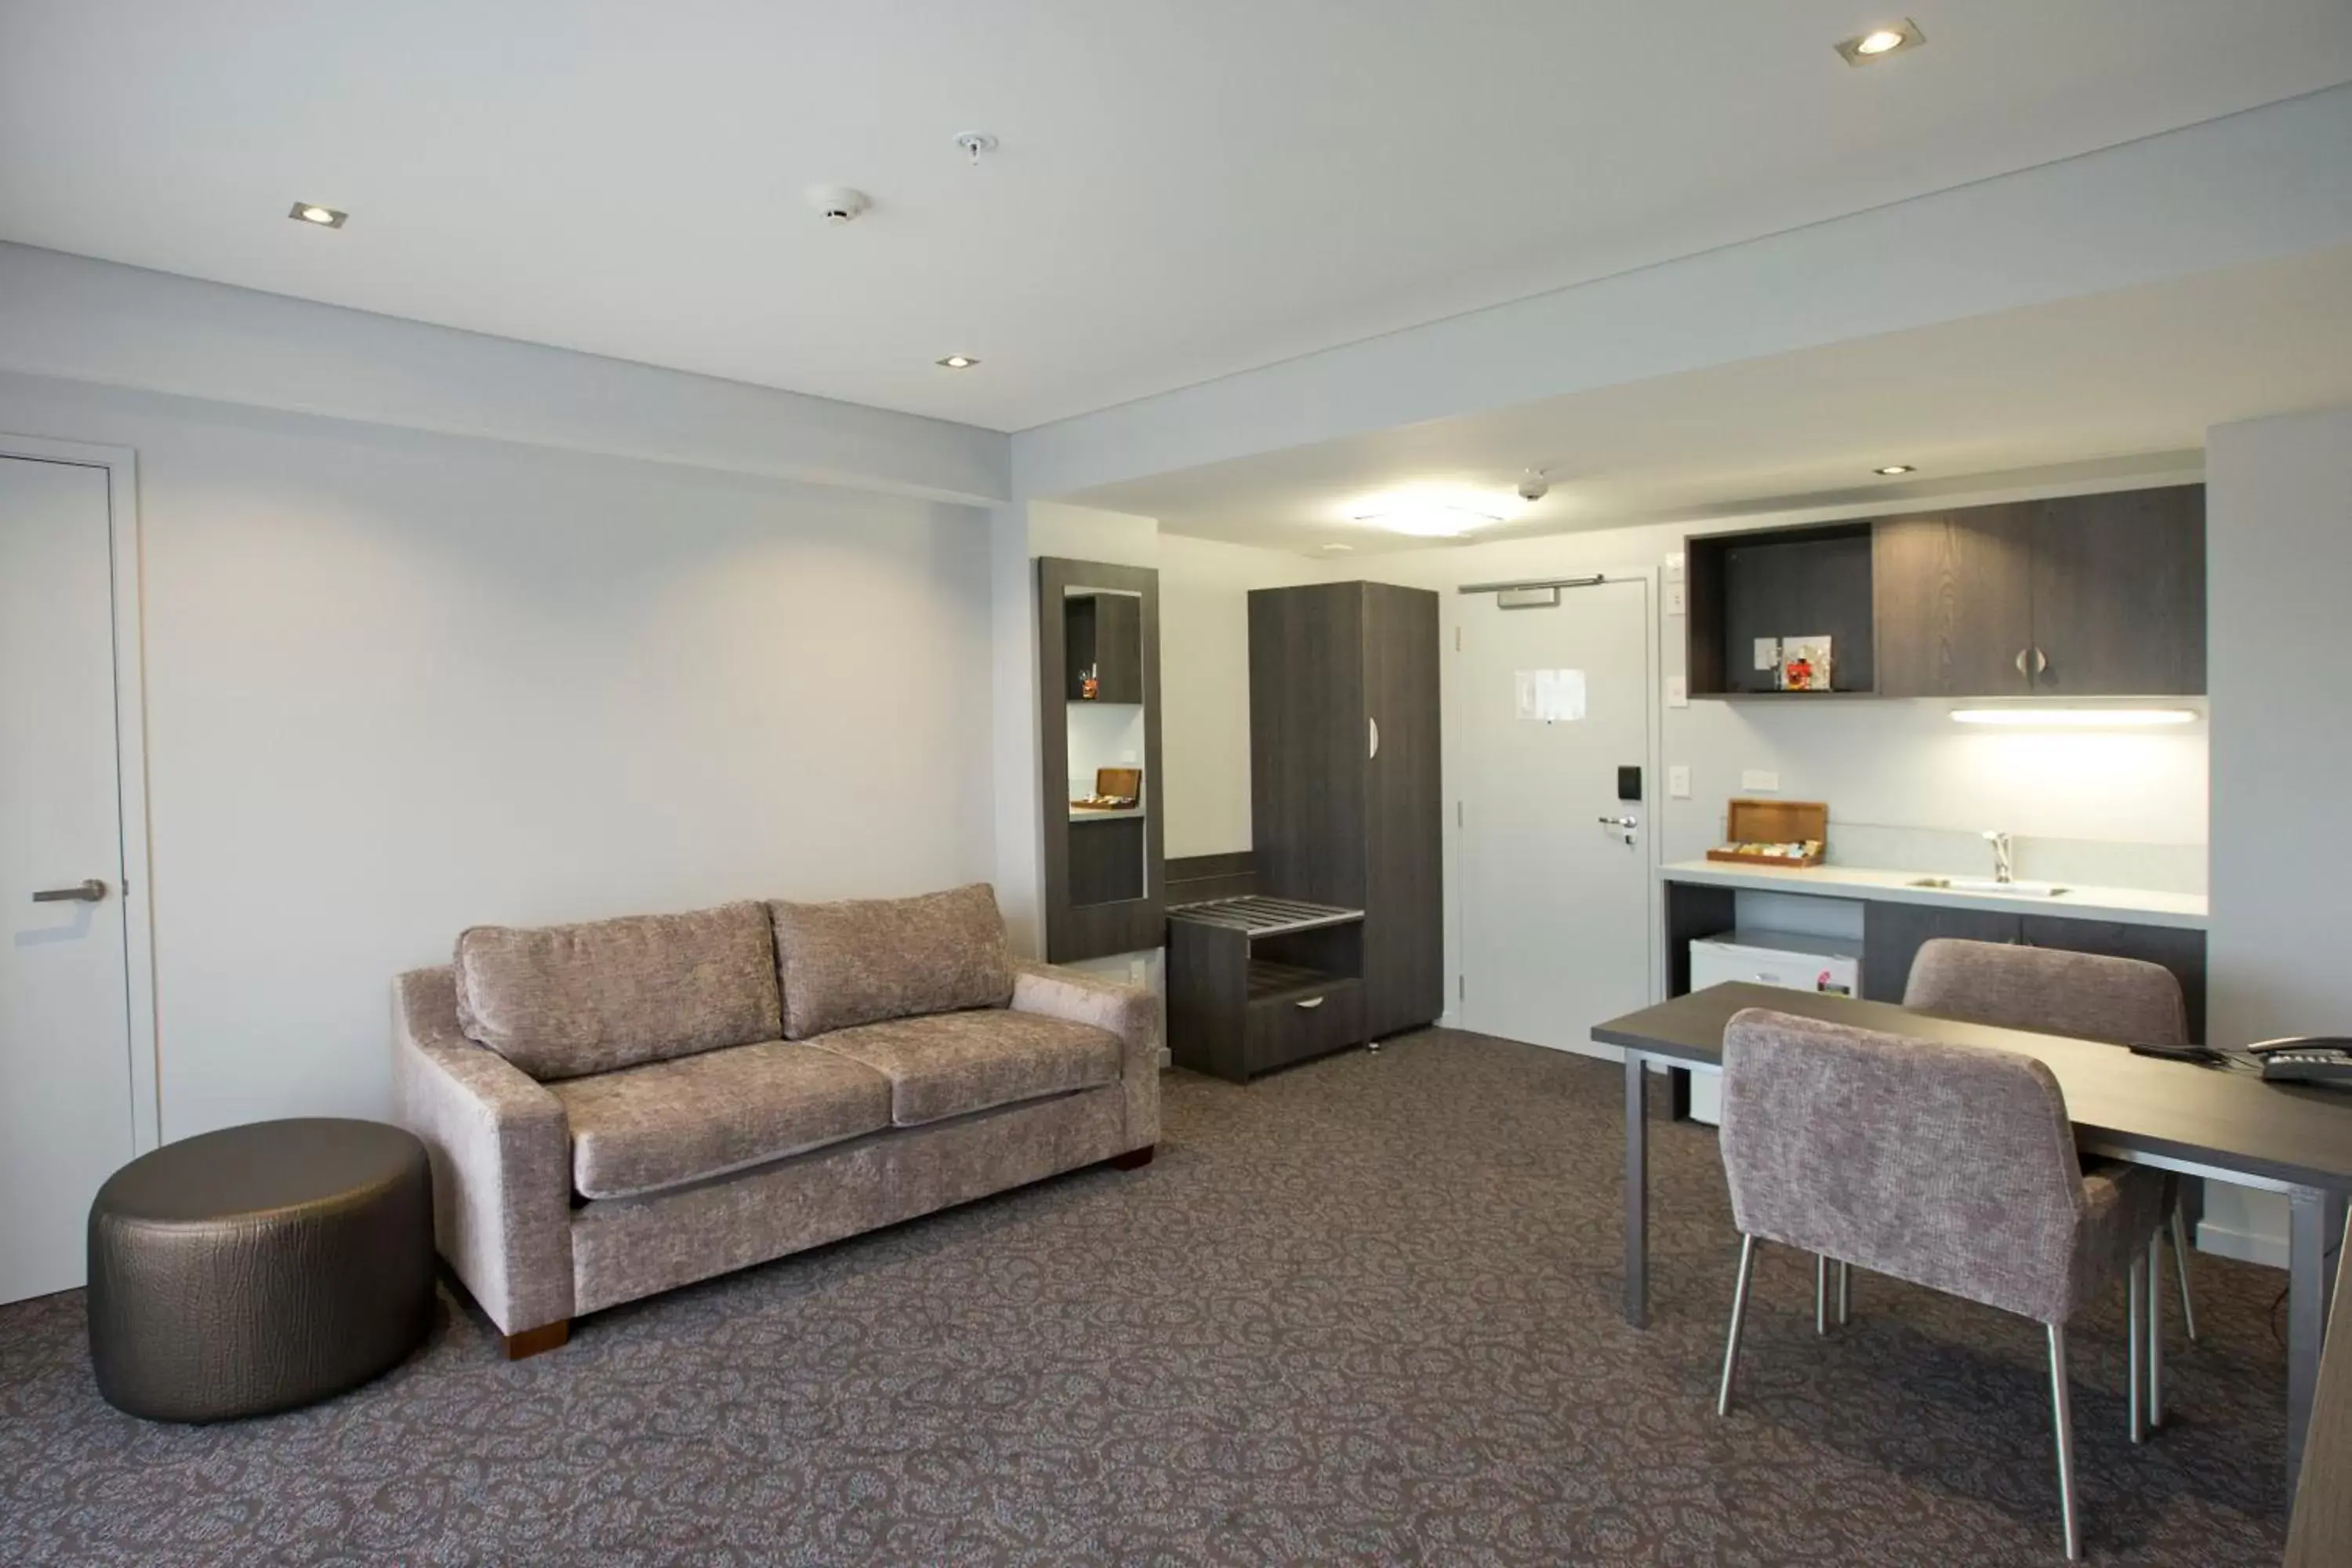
1093,814
2135,906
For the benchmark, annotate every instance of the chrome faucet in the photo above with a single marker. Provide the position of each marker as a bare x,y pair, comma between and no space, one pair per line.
2003,868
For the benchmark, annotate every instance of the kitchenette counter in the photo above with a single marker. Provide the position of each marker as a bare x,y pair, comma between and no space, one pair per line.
1108,814
2131,905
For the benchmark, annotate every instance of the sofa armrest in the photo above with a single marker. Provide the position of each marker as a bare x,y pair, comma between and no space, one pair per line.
1130,1012
501,1152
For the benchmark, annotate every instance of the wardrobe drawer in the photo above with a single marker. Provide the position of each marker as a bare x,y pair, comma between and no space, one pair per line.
1294,1027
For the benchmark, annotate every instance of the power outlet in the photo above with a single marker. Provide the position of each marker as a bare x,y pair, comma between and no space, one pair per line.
1677,598
1759,778
1678,782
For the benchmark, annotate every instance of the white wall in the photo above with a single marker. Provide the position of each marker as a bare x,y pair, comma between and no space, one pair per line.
2279,501
398,683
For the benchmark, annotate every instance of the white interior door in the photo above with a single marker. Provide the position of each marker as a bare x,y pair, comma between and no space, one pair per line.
1554,882
65,1032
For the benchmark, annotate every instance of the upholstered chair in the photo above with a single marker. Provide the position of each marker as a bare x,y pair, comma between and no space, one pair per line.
1949,1166
2119,1001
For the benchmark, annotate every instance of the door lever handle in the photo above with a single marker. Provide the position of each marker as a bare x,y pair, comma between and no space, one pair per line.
89,892
1621,821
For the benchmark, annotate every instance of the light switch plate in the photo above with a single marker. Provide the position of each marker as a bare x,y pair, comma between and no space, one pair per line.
1760,778
1677,692
1676,598
1675,567
1678,782
1768,653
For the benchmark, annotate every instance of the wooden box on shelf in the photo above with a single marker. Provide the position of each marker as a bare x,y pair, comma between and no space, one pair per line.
1774,821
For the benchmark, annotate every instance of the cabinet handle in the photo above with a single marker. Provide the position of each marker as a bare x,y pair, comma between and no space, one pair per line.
2041,661
2020,661
1312,1001
1374,725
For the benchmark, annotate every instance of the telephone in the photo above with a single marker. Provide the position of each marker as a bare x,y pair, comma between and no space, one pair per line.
2310,1059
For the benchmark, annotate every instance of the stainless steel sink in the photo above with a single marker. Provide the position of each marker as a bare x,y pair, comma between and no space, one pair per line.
1987,885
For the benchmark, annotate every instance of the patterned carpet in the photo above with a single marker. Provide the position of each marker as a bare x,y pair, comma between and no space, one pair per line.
1362,1311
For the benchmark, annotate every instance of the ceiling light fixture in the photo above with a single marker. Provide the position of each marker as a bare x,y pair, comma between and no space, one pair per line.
1427,519
2075,717
1878,43
956,362
317,216
1335,547
1891,469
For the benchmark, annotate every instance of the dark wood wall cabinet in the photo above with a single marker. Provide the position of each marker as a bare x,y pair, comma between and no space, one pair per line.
1105,876
2097,595
1345,806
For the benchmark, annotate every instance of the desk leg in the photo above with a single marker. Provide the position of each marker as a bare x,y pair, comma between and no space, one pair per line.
2315,1224
1637,1192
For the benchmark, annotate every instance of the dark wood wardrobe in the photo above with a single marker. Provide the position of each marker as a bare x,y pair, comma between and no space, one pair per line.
1344,778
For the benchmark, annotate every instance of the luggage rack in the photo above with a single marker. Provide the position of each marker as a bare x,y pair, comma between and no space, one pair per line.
1262,916
1257,983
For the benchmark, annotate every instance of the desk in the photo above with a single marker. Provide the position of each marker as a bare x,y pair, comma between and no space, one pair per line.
2227,1126
2321,1535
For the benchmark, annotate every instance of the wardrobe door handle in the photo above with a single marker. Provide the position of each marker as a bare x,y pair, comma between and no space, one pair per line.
2041,661
1374,727
1312,1001
2020,661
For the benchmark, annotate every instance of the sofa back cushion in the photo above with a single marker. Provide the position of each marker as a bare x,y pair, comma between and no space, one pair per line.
866,960
566,1001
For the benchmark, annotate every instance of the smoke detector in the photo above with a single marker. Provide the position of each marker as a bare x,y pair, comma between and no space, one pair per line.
837,205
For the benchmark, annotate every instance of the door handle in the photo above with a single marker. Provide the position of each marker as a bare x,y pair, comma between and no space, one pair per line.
2041,661
1373,725
1312,1001
2020,661
89,892
1621,821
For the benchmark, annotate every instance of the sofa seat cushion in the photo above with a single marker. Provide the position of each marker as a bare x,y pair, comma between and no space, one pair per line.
951,1064
566,1001
865,960
664,1123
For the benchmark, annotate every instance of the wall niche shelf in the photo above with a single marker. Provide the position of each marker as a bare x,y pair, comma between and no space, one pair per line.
1779,584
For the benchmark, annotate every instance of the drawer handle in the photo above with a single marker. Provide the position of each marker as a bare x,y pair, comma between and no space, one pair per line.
1312,1001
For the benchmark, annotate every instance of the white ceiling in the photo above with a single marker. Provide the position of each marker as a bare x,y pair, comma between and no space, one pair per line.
2045,396
1186,188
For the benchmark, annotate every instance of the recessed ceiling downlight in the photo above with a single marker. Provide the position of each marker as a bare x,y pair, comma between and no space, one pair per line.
1878,43
1891,469
956,362
316,215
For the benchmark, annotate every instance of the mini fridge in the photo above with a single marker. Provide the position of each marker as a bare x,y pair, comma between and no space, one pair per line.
1785,959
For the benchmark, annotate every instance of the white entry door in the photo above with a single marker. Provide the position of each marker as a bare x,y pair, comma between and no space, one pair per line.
65,1030
1555,883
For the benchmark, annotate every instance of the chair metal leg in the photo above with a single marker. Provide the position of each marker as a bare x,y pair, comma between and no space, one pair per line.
1844,1293
2137,1337
2181,1264
2155,1329
1821,1292
2065,1423
1739,1316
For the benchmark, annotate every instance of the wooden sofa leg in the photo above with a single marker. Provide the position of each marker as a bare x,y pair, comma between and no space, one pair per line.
1134,1159
538,1341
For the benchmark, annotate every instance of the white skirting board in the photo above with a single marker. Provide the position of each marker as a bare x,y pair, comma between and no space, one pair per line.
2243,1223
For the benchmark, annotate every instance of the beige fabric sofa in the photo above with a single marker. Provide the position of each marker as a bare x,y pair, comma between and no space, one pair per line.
617,1108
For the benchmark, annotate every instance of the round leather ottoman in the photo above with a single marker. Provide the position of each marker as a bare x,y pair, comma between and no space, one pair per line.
259,1267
